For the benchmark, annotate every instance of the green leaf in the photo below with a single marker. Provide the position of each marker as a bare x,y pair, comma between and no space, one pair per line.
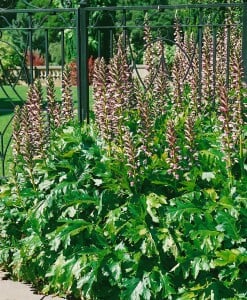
168,241
91,270
211,193
156,278
98,182
86,282
153,202
225,257
199,264
167,285
208,176
183,210
137,289
227,224
71,153
112,269
115,269
207,239
46,184
66,231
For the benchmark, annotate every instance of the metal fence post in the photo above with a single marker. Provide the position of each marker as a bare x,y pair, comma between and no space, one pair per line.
244,40
30,42
82,62
46,53
2,155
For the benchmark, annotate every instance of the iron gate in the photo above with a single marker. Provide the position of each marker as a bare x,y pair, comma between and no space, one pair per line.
36,42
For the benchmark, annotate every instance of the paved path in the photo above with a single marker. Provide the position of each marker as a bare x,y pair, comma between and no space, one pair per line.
11,290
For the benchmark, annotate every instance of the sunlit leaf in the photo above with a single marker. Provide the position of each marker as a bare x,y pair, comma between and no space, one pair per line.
153,203
208,176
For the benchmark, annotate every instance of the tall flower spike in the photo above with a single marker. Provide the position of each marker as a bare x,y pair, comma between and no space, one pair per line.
227,127
57,115
26,147
236,67
130,155
190,143
207,69
238,94
194,83
102,103
178,38
39,89
173,151
177,84
161,84
67,99
120,90
146,121
36,131
184,48
188,50
225,117
221,56
178,70
150,55
51,103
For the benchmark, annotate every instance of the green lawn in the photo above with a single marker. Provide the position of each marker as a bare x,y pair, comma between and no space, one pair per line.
5,118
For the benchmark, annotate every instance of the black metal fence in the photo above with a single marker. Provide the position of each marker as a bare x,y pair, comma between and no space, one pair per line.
83,31
27,38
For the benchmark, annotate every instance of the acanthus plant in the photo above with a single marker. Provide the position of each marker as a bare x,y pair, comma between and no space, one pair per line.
238,105
208,67
173,151
53,107
33,124
112,89
120,91
231,112
34,119
177,73
103,107
156,83
138,204
131,155
145,118
161,86
67,110
150,54
190,140
193,76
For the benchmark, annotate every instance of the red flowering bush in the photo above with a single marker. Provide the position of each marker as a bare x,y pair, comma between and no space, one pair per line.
73,68
36,56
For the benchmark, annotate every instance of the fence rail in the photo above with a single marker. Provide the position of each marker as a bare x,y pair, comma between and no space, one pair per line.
87,31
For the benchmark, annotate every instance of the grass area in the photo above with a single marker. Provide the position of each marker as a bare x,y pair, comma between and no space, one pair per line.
9,97
6,131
